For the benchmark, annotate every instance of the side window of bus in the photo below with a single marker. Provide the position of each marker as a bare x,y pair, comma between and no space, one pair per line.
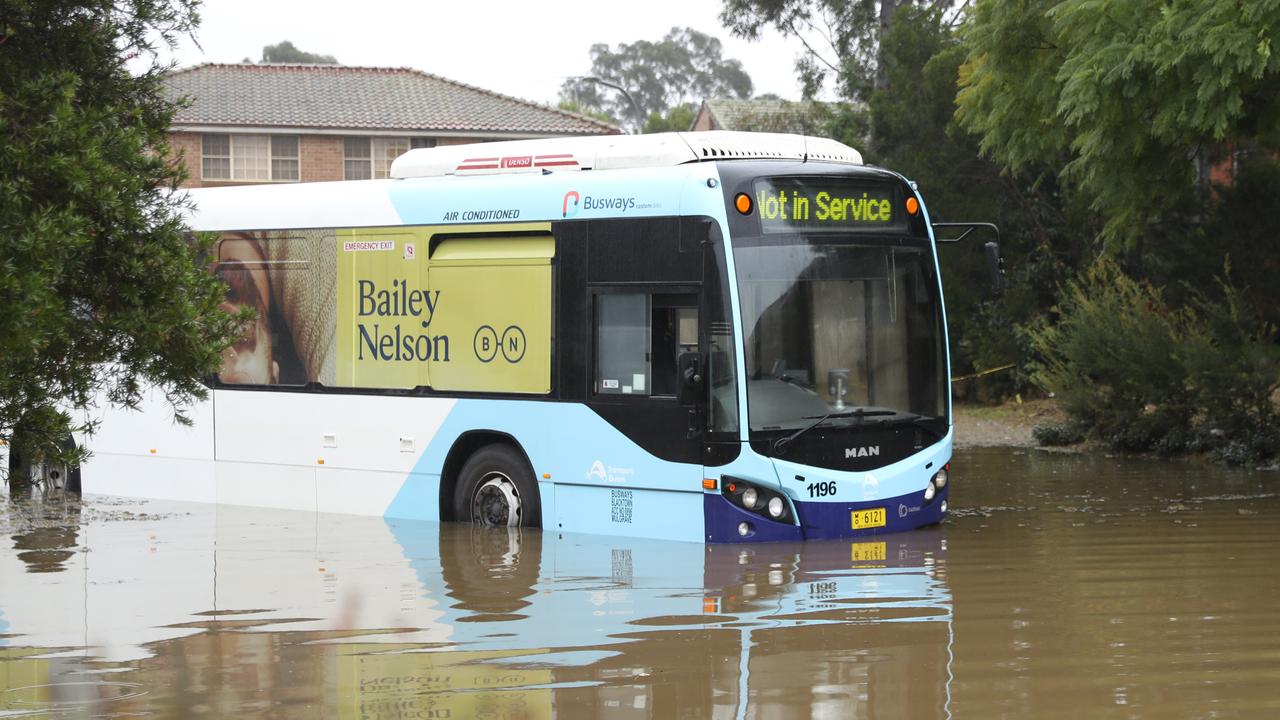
256,268
639,339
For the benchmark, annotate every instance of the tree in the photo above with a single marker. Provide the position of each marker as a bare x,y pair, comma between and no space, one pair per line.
913,131
102,290
685,67
678,119
1133,101
841,37
285,52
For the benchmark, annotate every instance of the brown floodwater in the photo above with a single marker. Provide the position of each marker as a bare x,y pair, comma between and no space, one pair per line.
1062,586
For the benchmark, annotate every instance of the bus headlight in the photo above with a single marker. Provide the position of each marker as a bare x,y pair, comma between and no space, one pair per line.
749,497
940,479
776,507
929,492
744,529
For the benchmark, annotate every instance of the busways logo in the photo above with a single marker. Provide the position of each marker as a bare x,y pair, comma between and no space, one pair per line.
573,202
567,210
857,452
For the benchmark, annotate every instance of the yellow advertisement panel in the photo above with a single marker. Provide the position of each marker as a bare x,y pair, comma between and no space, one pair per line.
450,308
386,309
504,331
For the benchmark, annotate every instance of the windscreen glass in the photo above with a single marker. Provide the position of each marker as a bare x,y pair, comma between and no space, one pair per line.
840,326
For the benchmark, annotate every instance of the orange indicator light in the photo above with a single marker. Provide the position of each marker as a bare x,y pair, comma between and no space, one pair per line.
913,206
708,484
546,476
733,487
743,203
320,461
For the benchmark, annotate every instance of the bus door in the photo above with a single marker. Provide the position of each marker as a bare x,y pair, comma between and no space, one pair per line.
644,310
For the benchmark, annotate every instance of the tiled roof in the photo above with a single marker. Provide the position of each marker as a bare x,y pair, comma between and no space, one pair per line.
785,116
359,98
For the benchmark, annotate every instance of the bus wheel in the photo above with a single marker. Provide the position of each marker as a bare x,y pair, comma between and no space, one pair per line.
496,489
45,475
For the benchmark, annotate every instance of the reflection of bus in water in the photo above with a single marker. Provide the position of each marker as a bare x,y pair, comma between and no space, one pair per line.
710,337
402,619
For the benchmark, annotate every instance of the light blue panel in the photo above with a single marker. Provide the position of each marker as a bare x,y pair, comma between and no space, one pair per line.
946,333
418,498
628,512
641,192
565,440
749,466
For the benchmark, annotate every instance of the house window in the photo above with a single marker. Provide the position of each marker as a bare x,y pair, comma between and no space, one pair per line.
249,157
370,157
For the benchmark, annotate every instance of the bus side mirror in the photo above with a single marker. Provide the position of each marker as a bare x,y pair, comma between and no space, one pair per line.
995,265
690,365
942,234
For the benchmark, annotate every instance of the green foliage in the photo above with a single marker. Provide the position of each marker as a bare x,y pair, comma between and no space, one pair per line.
913,131
841,36
285,52
101,289
1142,375
1058,434
685,67
1126,98
678,119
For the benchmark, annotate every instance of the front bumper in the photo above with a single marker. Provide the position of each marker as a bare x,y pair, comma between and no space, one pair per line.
822,519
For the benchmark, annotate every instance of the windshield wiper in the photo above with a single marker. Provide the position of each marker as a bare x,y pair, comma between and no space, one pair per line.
915,421
782,442
855,413
858,413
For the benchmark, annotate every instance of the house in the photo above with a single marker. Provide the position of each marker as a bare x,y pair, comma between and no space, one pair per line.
806,117
303,123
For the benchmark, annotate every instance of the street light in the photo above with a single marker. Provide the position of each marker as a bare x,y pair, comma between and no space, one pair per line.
599,81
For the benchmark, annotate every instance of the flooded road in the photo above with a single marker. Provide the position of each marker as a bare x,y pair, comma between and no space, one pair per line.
1062,586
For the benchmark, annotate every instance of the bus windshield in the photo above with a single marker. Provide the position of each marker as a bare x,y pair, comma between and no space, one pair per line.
840,327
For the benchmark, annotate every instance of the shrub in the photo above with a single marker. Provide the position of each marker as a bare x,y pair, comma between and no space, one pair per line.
1058,434
1140,375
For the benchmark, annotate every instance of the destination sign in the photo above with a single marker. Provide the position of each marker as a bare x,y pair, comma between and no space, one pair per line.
809,204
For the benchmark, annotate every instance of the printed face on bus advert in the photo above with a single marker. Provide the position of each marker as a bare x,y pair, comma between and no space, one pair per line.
241,265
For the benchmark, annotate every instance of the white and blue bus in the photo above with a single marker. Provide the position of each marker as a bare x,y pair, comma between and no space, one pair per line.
696,336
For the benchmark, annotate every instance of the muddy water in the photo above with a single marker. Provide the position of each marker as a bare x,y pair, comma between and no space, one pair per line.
1062,586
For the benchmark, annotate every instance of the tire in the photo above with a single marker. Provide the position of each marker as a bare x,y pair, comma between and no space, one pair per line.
46,476
496,489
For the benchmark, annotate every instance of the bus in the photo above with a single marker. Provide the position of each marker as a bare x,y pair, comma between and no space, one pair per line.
712,337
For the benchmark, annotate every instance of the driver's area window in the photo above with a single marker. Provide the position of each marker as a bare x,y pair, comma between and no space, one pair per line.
640,337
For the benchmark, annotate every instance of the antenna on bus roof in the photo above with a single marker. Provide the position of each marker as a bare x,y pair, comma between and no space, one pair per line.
805,137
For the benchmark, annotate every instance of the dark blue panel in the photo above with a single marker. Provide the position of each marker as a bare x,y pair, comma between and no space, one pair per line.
820,519
905,512
723,517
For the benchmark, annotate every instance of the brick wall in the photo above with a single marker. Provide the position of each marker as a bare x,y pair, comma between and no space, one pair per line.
319,157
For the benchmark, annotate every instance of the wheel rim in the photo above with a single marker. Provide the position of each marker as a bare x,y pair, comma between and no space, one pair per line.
50,476
496,502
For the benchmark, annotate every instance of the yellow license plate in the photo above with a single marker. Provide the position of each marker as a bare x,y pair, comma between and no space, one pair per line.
863,519
867,552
